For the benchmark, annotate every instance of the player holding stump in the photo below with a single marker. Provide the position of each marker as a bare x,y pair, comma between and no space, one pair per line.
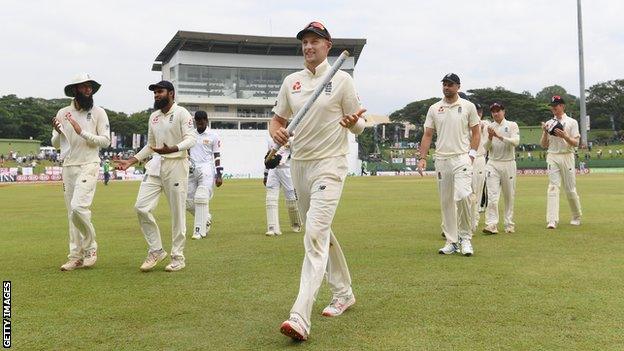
456,122
274,179
80,130
503,137
561,136
319,168
170,134
204,175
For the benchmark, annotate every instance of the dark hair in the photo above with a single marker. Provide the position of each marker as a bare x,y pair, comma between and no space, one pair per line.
201,115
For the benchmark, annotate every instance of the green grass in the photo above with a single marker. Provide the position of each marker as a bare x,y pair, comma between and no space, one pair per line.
533,290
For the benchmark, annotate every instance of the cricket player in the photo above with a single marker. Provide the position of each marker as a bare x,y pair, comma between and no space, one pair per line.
502,139
205,173
80,130
561,136
319,167
456,122
170,134
274,179
478,168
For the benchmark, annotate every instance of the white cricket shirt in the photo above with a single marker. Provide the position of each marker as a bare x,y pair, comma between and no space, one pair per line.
503,150
557,145
452,123
172,128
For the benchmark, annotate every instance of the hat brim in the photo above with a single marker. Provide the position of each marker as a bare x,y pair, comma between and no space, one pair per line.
69,88
312,30
557,103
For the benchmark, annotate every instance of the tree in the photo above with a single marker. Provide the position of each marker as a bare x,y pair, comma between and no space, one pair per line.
414,112
572,102
606,101
521,107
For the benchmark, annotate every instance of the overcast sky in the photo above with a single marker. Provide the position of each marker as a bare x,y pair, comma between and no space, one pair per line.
518,44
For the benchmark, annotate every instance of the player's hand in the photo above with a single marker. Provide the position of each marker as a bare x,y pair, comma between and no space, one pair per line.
264,181
123,165
219,180
280,136
561,133
56,124
422,166
349,121
165,149
491,133
74,124
545,127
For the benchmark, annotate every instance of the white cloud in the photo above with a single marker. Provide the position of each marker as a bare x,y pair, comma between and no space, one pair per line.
518,44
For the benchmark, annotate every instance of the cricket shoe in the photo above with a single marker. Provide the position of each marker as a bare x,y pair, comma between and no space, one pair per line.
296,228
576,220
466,247
338,305
551,225
175,265
89,258
510,229
449,248
490,229
294,328
152,260
72,264
196,235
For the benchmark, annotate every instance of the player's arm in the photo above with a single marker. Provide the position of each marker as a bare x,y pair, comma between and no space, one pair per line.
514,139
101,137
355,122
277,129
425,144
573,139
56,132
544,142
474,123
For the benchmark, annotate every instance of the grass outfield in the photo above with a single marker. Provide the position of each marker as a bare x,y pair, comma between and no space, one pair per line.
533,290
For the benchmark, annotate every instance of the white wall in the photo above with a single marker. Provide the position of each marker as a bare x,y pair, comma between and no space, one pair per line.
242,152
244,60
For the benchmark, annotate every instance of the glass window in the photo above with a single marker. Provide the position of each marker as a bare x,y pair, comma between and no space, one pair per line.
223,125
220,108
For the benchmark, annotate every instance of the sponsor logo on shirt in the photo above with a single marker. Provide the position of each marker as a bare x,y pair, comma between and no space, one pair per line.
171,119
296,87
155,120
441,109
89,117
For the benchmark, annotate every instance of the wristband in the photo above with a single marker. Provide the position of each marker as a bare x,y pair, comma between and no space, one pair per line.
472,153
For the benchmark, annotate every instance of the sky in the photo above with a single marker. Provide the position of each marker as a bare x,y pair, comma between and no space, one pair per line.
522,45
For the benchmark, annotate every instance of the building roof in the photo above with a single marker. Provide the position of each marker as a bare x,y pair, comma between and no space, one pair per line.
247,44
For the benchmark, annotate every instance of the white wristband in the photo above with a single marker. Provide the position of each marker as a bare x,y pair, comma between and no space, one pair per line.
472,153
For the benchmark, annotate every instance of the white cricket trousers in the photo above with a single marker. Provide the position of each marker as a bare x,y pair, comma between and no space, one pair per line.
319,186
173,182
501,175
478,180
455,187
79,184
561,170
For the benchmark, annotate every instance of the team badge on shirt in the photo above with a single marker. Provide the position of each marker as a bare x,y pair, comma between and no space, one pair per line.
459,109
441,109
89,117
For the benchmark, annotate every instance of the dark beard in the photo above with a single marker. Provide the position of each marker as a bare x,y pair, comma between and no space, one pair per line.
160,104
85,102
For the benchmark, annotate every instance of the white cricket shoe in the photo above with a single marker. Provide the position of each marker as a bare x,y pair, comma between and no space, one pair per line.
448,249
490,229
466,247
296,228
294,328
152,260
510,229
551,225
576,221
71,265
338,305
175,265
89,258
196,236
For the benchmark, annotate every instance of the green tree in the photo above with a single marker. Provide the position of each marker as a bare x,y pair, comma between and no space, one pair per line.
605,102
522,108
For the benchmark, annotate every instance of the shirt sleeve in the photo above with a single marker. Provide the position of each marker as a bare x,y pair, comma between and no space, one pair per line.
473,117
216,145
282,107
186,128
514,139
147,151
574,131
350,102
101,137
429,122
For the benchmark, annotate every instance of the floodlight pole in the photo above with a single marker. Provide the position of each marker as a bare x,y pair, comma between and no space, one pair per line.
583,117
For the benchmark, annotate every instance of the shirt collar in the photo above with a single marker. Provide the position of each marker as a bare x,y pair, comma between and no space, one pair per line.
320,69
171,110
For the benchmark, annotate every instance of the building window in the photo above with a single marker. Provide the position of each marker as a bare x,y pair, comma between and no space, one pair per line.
221,108
253,125
223,125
